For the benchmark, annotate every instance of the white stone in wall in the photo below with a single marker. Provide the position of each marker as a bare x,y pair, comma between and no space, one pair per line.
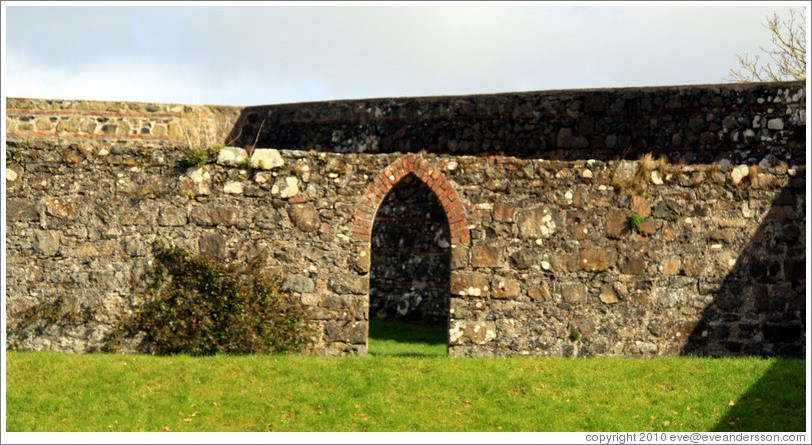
234,188
303,168
232,156
262,177
739,173
747,212
535,222
196,181
797,97
11,175
455,333
266,159
775,124
286,188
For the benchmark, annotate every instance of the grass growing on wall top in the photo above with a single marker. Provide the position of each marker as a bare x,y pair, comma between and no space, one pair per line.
64,392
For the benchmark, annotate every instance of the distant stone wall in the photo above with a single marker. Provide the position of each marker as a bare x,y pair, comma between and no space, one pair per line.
116,123
697,122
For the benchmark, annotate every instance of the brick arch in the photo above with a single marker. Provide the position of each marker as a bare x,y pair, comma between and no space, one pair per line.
364,215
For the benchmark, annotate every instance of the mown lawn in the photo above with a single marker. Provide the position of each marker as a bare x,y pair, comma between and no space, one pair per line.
400,389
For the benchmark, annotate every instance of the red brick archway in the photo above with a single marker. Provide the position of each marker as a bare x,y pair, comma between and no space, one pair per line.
368,205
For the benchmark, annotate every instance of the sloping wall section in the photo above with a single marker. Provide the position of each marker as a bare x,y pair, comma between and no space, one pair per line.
554,251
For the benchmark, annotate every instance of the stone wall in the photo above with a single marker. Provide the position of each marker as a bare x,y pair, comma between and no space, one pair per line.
118,123
691,124
717,266
697,122
542,257
554,257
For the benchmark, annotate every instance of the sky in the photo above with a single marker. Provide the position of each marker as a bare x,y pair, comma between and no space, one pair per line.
269,53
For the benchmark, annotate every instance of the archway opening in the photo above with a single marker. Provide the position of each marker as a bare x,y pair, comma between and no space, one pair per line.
409,274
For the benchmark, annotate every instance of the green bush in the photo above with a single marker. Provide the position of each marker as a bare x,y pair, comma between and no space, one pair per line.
202,307
634,221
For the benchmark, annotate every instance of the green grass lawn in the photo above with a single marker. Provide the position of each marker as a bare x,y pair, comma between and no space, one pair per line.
398,339
400,388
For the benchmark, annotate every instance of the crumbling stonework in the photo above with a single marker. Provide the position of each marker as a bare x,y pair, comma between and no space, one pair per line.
542,257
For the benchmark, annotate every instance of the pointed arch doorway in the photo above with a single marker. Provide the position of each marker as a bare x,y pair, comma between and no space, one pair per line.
409,221
409,275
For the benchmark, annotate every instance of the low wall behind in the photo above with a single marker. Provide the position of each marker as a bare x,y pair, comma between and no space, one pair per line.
695,123
698,122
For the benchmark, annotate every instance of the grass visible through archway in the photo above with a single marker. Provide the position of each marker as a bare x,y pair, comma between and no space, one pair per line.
389,338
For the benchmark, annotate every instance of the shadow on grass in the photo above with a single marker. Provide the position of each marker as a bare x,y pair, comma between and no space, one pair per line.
407,332
784,386
399,339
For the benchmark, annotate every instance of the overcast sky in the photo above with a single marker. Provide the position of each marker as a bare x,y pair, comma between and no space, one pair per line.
266,53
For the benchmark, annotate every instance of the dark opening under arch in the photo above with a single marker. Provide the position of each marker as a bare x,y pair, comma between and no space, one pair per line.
411,253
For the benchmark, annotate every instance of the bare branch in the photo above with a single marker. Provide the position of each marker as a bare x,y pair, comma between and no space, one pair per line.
787,56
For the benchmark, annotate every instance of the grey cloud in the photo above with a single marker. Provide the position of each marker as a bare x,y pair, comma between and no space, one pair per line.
253,55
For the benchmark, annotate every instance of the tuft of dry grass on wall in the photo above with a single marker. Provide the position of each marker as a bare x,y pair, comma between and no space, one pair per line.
715,174
662,164
752,175
639,183
197,132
